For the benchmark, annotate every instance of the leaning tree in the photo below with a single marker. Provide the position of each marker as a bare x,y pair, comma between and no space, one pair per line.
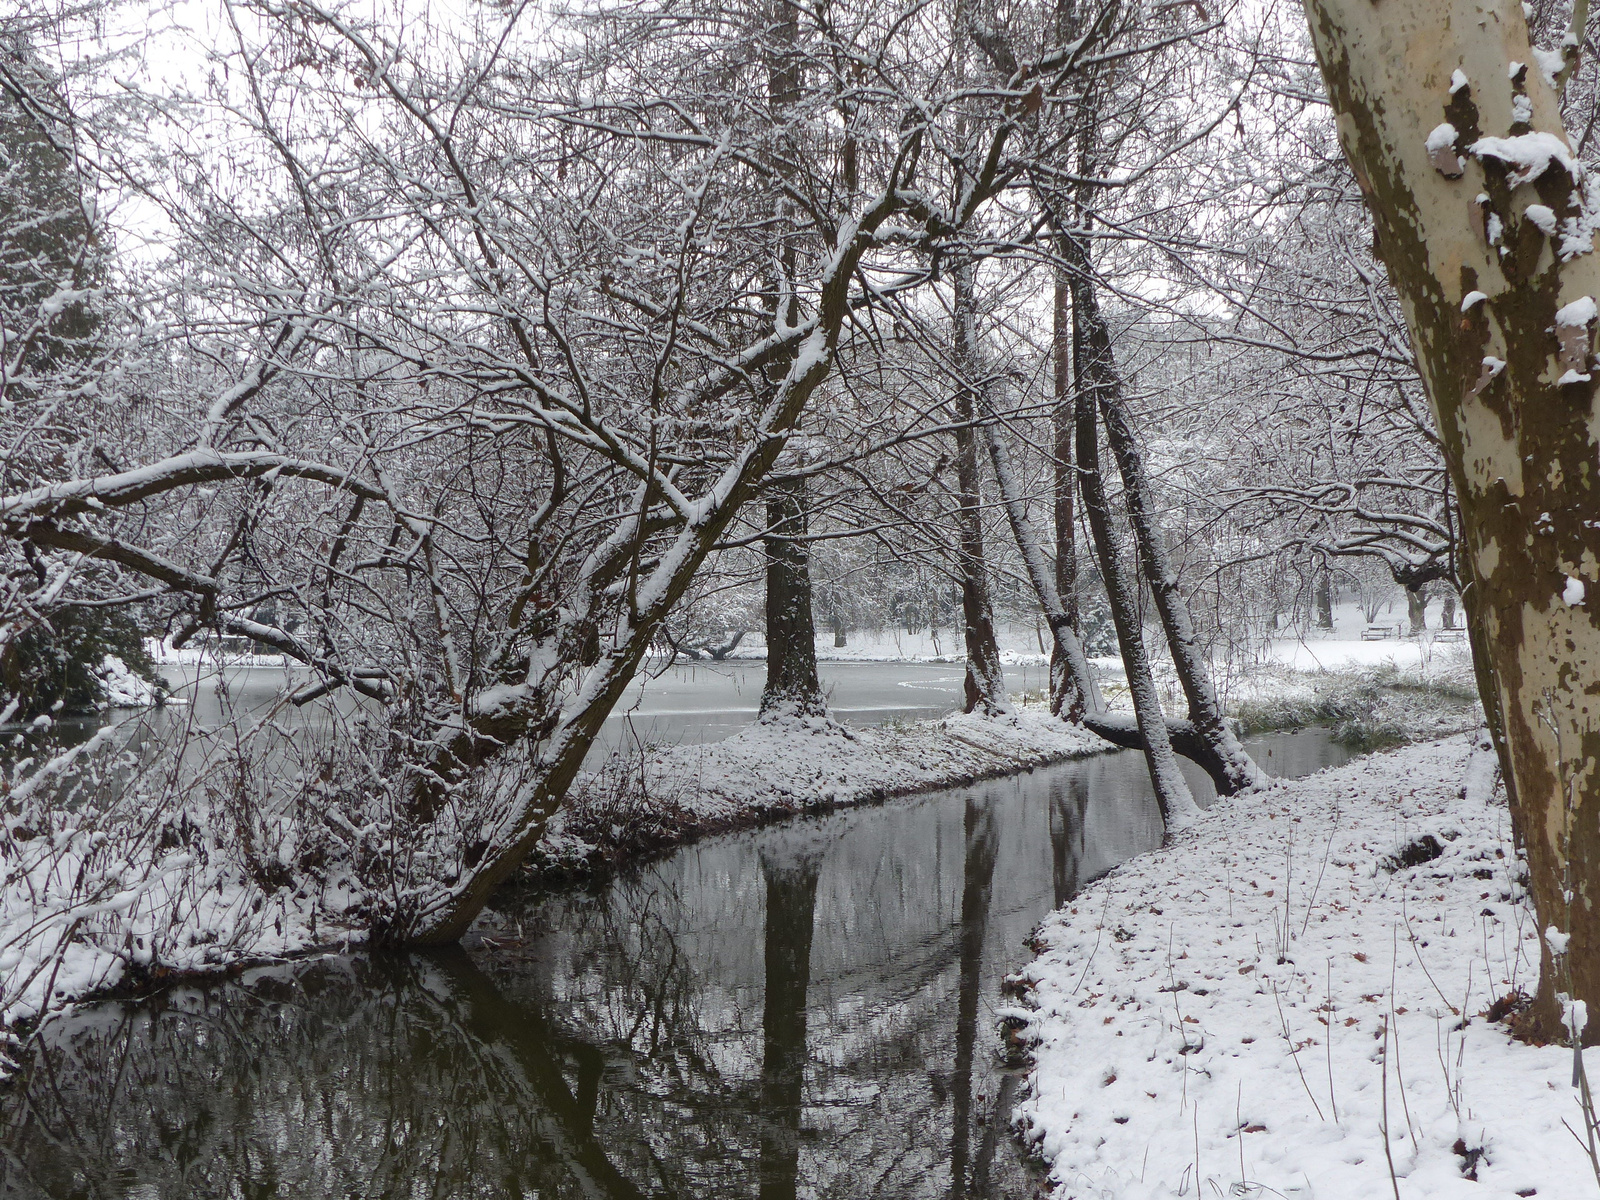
473,362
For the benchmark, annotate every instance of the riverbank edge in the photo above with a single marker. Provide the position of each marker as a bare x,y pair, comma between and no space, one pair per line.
778,768
649,803
1219,1012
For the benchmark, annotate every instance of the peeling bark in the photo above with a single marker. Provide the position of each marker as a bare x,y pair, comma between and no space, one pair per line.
1499,298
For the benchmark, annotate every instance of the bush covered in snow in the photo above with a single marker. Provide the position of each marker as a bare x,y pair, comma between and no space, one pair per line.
1369,707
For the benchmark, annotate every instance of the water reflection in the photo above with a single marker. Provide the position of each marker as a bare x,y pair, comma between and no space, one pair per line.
800,1011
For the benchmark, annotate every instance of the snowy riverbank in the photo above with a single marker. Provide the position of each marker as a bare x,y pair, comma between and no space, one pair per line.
1221,1009
661,796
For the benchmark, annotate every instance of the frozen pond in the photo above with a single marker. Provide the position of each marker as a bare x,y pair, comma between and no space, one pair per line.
687,702
805,1010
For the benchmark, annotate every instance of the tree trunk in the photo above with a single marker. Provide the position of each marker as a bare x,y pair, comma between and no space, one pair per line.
1447,611
1454,133
792,686
1417,609
1216,749
1068,694
1069,669
1178,808
839,641
1324,599
985,679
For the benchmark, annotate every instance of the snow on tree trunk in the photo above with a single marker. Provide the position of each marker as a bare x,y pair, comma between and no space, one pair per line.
985,683
1324,599
792,685
1178,808
1485,221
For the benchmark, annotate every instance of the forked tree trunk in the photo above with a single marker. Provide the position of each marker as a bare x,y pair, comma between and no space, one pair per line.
1455,136
1178,808
792,686
1324,589
1417,609
1214,745
985,683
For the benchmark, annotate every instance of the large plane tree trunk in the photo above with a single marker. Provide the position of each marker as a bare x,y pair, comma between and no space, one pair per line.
985,679
1455,135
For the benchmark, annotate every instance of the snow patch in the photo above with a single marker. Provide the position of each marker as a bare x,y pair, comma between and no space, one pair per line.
1458,80
1543,218
1577,314
123,688
1254,1004
1527,155
1572,595
1550,63
1472,298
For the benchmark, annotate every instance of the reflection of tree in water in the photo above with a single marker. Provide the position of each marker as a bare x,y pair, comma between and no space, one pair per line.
976,892
654,1040
791,910
1069,803
361,1079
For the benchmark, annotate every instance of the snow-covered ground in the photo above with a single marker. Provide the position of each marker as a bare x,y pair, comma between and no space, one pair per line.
1269,1006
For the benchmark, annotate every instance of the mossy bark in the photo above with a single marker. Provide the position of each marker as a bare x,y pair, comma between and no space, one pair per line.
1482,219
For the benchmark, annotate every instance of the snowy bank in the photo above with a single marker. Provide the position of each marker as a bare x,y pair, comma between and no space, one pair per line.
659,796
1253,1006
116,880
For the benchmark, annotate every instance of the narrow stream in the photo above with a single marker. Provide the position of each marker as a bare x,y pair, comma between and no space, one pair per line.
801,1010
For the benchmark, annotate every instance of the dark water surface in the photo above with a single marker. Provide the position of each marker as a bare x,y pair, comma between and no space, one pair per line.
802,1010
